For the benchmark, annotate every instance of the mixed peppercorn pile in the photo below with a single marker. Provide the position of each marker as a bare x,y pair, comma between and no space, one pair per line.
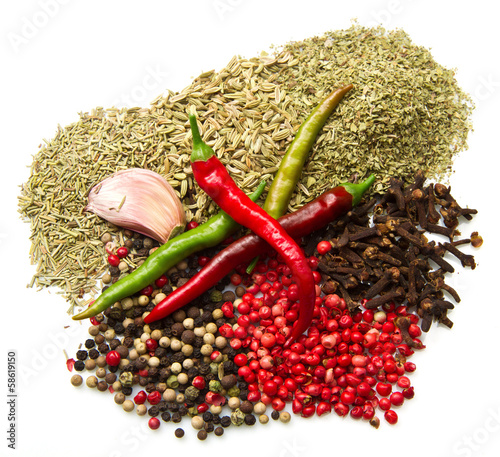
223,359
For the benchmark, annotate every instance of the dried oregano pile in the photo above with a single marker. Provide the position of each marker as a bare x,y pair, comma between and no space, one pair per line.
406,112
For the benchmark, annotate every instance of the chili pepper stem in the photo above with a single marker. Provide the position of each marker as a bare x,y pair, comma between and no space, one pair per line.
357,190
201,150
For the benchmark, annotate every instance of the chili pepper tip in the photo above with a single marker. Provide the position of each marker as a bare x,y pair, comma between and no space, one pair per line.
201,151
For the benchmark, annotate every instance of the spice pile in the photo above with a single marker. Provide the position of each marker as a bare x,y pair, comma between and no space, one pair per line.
222,361
406,112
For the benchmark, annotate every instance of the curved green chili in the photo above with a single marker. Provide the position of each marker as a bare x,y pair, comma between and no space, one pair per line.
290,169
209,234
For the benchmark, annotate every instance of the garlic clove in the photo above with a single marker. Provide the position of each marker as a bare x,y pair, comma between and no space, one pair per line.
139,200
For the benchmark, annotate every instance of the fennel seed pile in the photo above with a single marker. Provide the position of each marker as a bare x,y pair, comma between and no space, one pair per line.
406,112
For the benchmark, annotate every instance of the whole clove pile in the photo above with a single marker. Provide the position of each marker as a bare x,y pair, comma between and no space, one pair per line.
381,253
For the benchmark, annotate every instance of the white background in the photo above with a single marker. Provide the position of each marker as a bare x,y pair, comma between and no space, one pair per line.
63,57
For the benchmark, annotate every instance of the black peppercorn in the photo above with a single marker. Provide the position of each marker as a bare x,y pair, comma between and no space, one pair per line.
216,419
250,419
81,355
114,343
275,415
176,418
160,352
198,321
90,343
162,406
225,421
119,328
127,390
153,411
93,354
165,416
202,435
209,427
183,410
79,365
103,348
219,431
179,432
193,312
208,416
188,337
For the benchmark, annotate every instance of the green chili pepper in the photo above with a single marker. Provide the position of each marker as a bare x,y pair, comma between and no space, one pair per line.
290,169
209,234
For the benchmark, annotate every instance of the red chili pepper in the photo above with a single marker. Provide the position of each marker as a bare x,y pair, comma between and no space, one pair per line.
212,176
312,216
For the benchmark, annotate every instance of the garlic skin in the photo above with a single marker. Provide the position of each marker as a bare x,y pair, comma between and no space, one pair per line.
139,200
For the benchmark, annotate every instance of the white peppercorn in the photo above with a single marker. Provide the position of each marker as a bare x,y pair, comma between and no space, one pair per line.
119,398
143,300
141,410
214,409
156,334
76,380
209,338
211,327
260,408
234,402
154,362
128,405
164,342
91,381
197,422
175,344
141,348
220,342
199,331
169,395
176,368
159,297
188,323
127,303
183,378
217,314
206,349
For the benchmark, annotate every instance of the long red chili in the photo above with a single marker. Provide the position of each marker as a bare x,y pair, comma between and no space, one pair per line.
312,216
212,176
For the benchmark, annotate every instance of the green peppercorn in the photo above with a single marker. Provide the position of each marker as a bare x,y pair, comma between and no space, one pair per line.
237,417
215,296
234,391
126,378
214,386
172,381
191,393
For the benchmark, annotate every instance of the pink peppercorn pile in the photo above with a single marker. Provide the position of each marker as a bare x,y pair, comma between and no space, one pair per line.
350,362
